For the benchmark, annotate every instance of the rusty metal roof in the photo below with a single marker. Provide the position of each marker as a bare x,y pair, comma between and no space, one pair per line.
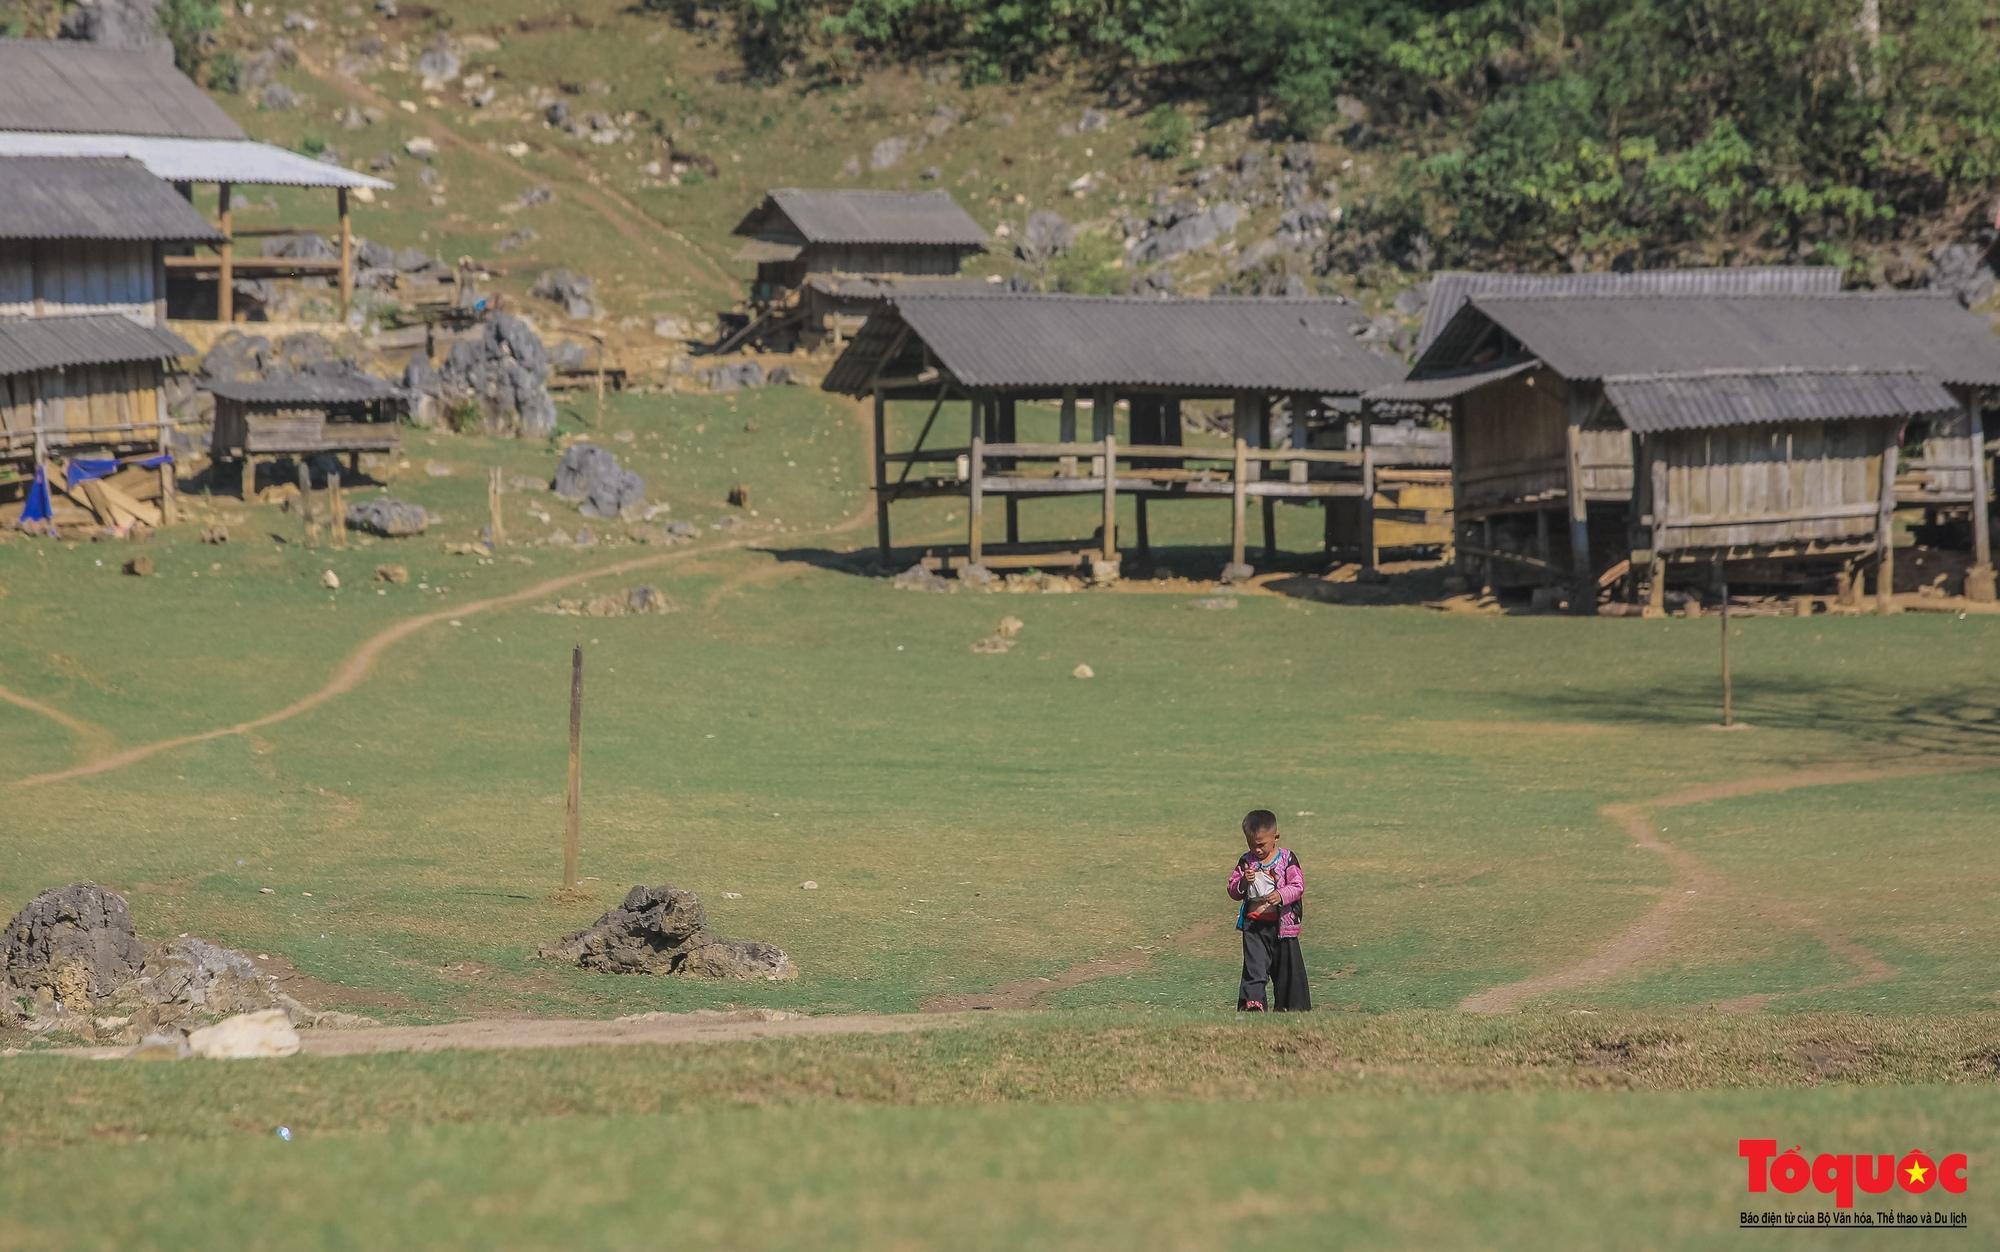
93,198
1450,289
1051,341
62,85
1591,337
1709,399
932,218
28,344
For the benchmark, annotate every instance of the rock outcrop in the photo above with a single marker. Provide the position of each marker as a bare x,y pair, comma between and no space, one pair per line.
664,930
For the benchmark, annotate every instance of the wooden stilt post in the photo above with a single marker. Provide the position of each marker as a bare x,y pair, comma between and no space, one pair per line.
310,522
1066,432
346,257
1656,586
1885,526
881,478
1728,686
1979,579
496,525
976,509
169,487
249,477
336,517
1486,545
573,798
1103,419
1110,454
1583,594
1145,535
1542,548
1013,520
1370,553
225,283
1238,498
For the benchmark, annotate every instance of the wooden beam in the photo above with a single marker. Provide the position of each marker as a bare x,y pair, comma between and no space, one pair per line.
1110,455
1238,498
1066,428
975,519
881,479
1885,524
225,289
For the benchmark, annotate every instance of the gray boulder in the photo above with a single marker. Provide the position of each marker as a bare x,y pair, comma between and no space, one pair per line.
1046,236
591,478
1189,234
506,373
1092,121
391,519
888,153
202,976
664,930
70,946
277,98
574,292
126,24
1961,269
438,65
734,377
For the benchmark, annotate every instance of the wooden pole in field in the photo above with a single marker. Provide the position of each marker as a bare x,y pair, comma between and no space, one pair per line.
336,510
306,508
493,490
1728,683
573,804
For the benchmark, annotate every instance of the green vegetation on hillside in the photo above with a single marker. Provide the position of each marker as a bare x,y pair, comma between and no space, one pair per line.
1534,133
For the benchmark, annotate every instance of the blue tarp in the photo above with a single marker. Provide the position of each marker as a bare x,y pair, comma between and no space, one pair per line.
83,469
36,508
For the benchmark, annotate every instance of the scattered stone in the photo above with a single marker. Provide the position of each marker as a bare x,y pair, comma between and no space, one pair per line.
139,566
246,1036
888,153
535,196
215,532
1963,270
392,574
422,147
1237,572
437,66
515,240
160,1048
126,24
917,578
1040,582
276,97
1047,236
1009,627
808,885
1083,671
975,575
574,292
391,519
590,477
1191,233
664,930
1092,121
330,580
1214,602
993,645
735,376
637,602
739,495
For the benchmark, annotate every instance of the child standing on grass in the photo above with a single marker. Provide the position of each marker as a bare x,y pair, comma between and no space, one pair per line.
1268,881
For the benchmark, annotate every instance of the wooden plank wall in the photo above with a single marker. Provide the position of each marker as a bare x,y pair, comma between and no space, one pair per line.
60,278
1769,484
1513,440
880,259
87,406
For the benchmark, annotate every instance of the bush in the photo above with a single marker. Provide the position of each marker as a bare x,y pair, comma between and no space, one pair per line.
465,418
225,73
190,26
1167,134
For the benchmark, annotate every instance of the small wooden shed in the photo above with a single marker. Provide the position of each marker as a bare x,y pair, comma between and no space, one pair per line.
826,259
1089,358
1610,436
301,416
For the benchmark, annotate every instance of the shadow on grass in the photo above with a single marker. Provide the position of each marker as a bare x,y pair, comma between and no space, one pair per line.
1963,723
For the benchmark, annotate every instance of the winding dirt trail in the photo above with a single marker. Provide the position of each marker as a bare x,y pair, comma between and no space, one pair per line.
361,662
92,740
1648,936
1027,993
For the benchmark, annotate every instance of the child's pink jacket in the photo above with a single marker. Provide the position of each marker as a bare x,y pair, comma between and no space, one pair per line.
1291,889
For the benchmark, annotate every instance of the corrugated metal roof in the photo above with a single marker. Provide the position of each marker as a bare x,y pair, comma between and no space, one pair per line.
28,344
1451,288
194,160
760,250
1042,341
1699,401
63,85
862,288
70,198
1447,386
280,390
845,216
1590,337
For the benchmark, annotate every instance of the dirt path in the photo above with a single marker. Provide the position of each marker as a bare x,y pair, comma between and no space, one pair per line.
92,740
361,662
1648,937
501,1034
1027,993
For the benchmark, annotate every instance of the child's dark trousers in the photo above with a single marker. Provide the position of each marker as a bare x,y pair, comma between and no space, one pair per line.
1269,961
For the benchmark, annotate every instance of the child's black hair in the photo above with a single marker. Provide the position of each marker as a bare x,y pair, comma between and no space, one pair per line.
1257,820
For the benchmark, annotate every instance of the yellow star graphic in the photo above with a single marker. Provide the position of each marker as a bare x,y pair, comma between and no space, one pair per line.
1916,1173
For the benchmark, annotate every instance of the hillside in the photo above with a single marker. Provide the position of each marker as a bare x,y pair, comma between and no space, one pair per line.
623,141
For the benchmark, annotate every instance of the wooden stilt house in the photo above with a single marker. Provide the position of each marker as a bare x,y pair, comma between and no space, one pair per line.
1088,358
1600,439
826,260
66,99
82,328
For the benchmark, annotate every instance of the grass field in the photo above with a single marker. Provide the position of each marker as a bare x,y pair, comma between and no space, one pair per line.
977,823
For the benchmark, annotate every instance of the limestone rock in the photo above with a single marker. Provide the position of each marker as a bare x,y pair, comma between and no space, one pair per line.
246,1036
71,945
590,477
391,519
664,930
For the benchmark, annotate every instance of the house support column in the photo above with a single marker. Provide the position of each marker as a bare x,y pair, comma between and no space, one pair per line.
225,282
1979,579
881,478
347,283
1885,525
1583,593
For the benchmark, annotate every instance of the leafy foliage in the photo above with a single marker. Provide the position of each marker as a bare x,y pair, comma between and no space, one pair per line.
1538,132
189,26
1167,134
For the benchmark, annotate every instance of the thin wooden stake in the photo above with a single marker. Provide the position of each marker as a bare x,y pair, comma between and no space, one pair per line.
306,508
573,805
337,510
493,491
